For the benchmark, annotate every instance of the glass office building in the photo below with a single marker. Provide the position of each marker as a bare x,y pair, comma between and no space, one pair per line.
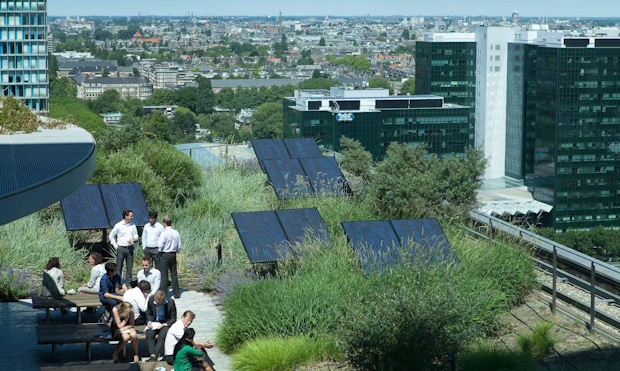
23,52
376,119
446,69
565,99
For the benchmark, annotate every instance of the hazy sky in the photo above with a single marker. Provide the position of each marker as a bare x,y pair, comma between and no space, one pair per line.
527,8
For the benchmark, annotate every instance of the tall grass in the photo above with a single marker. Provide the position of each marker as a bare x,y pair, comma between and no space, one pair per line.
484,356
282,354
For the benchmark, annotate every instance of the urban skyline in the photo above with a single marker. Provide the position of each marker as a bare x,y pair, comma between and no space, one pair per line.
526,8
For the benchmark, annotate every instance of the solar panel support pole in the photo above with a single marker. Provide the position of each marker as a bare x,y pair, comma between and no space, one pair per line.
219,253
105,238
592,297
555,276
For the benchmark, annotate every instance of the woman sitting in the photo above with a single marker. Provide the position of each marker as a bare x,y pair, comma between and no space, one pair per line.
187,357
123,331
98,270
53,279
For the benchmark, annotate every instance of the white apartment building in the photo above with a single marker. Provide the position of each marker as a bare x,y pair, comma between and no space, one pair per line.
127,87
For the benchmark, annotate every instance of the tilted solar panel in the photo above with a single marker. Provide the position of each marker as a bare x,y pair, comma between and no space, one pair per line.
118,197
325,176
301,223
262,236
269,149
374,242
84,209
288,178
424,236
302,148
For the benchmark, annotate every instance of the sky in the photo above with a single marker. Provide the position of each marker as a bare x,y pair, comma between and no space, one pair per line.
526,8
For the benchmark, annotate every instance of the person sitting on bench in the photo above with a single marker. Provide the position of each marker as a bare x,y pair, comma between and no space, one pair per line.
96,273
160,315
188,355
123,331
54,281
109,290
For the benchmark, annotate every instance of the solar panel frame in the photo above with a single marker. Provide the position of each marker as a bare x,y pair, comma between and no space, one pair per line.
269,149
283,175
325,176
301,223
373,242
84,209
117,197
262,236
424,234
302,148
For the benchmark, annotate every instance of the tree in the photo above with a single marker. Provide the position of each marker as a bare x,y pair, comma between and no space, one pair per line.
267,121
184,122
136,72
356,160
408,86
380,82
322,41
162,97
62,87
187,97
320,83
405,35
205,99
226,98
157,126
106,102
222,125
105,73
316,74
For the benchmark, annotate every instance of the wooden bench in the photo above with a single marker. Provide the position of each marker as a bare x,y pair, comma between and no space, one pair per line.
77,334
96,367
68,301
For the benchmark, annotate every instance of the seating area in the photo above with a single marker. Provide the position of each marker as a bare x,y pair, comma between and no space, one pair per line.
68,301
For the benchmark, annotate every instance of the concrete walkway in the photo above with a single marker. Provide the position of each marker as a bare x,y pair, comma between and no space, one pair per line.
20,351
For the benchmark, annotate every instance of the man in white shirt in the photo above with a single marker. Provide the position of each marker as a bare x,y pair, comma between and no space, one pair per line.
169,245
122,238
138,297
175,333
150,274
150,235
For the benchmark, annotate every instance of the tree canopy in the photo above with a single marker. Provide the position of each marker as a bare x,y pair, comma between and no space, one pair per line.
267,121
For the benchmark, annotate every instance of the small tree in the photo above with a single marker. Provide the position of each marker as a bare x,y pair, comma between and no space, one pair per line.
356,160
267,121
408,86
405,35
322,41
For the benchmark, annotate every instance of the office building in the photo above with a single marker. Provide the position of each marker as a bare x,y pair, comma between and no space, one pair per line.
376,119
23,52
127,87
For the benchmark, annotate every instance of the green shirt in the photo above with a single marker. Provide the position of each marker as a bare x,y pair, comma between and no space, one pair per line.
182,361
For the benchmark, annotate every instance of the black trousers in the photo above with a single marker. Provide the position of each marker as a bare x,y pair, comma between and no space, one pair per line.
156,346
122,254
153,252
168,262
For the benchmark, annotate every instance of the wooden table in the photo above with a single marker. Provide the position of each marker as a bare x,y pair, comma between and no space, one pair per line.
68,301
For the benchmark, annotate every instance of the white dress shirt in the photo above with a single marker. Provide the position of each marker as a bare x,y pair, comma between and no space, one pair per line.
137,298
150,234
169,240
154,278
122,233
95,276
173,336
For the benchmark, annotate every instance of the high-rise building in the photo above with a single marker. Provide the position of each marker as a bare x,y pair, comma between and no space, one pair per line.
570,119
376,119
446,66
23,52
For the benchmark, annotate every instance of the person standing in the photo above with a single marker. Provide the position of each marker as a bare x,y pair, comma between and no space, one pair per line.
160,315
122,238
169,245
150,235
150,274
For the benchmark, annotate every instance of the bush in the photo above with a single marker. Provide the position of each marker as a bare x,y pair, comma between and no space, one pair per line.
282,353
15,284
485,356
73,110
539,343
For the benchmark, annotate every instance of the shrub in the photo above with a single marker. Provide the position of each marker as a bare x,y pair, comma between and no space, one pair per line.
15,116
75,111
539,343
15,284
484,356
280,354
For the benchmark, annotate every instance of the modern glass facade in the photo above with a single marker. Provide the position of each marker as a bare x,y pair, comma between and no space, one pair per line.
23,52
521,111
446,130
577,135
447,69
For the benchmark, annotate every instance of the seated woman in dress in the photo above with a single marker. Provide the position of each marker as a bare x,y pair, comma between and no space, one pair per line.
98,270
122,329
188,355
53,280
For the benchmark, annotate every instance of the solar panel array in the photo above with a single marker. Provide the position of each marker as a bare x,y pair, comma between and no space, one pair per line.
380,244
100,206
268,236
276,149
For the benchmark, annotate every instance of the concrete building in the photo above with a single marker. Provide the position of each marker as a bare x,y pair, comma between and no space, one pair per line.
376,119
23,52
127,87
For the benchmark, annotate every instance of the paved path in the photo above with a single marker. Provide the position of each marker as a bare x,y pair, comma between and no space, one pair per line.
20,351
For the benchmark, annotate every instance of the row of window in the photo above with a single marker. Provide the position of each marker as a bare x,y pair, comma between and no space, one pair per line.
22,5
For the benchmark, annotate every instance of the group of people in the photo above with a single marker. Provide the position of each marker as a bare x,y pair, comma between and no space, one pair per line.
147,302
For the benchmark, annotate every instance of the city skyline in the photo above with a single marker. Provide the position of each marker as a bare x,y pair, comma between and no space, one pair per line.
526,8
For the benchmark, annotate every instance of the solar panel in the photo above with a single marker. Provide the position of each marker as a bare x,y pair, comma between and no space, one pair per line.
373,242
425,234
261,235
118,197
84,209
302,148
325,176
288,178
269,149
299,223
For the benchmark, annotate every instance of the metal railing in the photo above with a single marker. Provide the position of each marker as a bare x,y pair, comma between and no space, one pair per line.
586,265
